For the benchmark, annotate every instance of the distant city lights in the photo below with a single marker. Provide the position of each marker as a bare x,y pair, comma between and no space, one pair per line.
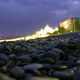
39,34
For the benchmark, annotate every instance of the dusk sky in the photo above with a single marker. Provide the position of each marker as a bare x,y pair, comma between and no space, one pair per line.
18,17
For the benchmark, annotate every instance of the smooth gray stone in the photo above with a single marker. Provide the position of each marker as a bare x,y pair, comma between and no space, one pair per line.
47,60
55,54
59,67
45,78
5,77
29,77
24,57
55,44
2,63
23,60
3,69
47,66
77,74
4,57
17,72
67,74
58,51
32,66
12,56
71,61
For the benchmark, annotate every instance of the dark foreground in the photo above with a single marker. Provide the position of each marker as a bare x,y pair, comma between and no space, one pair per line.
41,59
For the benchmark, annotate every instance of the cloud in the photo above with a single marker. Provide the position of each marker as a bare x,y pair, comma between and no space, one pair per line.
24,16
60,12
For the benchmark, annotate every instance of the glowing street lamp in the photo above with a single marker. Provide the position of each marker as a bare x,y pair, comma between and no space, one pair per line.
66,27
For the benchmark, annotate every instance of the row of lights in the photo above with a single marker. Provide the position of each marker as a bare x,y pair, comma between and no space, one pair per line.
39,34
42,33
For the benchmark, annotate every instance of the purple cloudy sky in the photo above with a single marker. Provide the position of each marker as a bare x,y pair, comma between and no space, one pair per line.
18,17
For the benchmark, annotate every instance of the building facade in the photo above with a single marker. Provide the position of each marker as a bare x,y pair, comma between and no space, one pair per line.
70,25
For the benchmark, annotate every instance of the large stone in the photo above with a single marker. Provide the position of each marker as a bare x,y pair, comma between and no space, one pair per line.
32,66
77,74
71,61
3,59
29,77
23,59
17,72
67,74
55,44
60,65
5,77
55,54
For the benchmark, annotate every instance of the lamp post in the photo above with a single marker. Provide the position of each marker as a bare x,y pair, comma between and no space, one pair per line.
73,24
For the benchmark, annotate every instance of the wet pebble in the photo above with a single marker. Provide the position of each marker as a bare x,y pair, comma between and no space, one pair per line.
17,72
3,59
45,57
64,75
77,74
23,60
32,66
